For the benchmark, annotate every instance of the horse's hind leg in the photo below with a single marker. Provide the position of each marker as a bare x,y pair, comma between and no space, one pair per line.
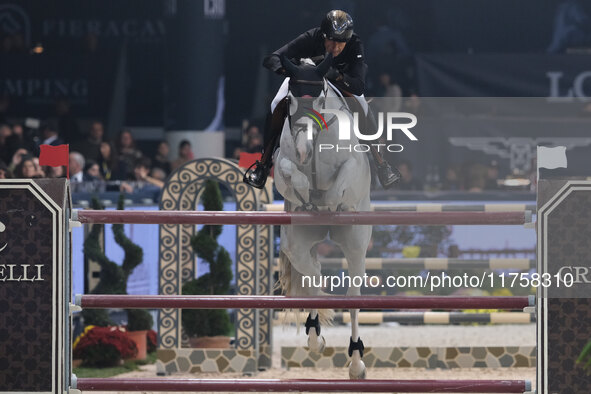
298,244
316,342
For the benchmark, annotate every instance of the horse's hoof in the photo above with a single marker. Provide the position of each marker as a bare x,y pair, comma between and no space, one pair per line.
307,207
357,370
342,208
317,344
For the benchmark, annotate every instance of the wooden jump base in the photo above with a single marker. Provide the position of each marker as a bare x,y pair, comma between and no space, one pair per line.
303,385
420,318
302,218
379,263
427,207
281,302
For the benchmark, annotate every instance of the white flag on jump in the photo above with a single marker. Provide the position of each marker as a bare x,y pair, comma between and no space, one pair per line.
552,157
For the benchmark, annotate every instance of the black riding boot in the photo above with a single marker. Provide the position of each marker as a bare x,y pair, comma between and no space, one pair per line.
256,175
387,174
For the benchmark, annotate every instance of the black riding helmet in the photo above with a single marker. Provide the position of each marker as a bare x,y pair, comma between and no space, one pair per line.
337,25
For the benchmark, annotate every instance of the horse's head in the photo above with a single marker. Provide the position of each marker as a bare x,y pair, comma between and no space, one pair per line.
306,79
306,85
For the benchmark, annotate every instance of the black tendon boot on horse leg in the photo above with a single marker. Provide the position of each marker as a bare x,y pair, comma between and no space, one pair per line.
316,342
256,175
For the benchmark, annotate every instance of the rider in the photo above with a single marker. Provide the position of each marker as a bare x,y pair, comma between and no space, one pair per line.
334,37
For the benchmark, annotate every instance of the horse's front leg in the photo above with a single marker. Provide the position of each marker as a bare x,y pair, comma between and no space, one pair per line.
343,194
291,183
357,367
354,245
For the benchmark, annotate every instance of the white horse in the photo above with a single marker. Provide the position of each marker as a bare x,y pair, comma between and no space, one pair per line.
325,181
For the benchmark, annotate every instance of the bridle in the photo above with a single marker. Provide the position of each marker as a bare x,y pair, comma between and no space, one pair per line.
301,129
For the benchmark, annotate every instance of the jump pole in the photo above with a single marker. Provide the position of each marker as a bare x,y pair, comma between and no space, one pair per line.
281,302
302,218
303,385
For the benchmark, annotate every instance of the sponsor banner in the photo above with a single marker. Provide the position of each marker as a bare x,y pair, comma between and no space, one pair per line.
559,78
33,85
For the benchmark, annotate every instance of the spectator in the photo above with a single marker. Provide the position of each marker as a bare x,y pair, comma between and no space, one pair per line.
4,104
17,158
4,171
254,144
390,95
40,173
185,154
158,173
388,51
492,176
476,178
17,140
27,168
161,160
76,168
5,135
128,154
90,147
50,135
55,172
237,152
251,131
144,182
407,181
91,169
111,168
452,178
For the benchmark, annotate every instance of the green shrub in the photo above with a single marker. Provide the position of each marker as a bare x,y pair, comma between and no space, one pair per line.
113,278
209,322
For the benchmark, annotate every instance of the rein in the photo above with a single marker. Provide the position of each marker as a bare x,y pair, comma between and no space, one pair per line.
308,82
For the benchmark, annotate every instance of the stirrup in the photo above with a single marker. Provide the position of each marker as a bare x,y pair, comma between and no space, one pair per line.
260,172
388,175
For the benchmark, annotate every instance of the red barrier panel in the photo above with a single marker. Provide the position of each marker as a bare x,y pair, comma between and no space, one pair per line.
281,302
302,218
305,385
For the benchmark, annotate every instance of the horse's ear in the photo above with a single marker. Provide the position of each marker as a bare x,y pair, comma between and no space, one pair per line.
291,68
323,67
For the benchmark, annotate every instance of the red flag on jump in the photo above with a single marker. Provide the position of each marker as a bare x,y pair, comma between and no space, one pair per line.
55,156
248,159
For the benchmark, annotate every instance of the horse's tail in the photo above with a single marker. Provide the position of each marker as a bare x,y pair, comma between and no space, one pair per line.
290,283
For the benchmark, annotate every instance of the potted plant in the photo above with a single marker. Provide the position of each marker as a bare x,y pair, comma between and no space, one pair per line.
211,327
113,280
103,346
